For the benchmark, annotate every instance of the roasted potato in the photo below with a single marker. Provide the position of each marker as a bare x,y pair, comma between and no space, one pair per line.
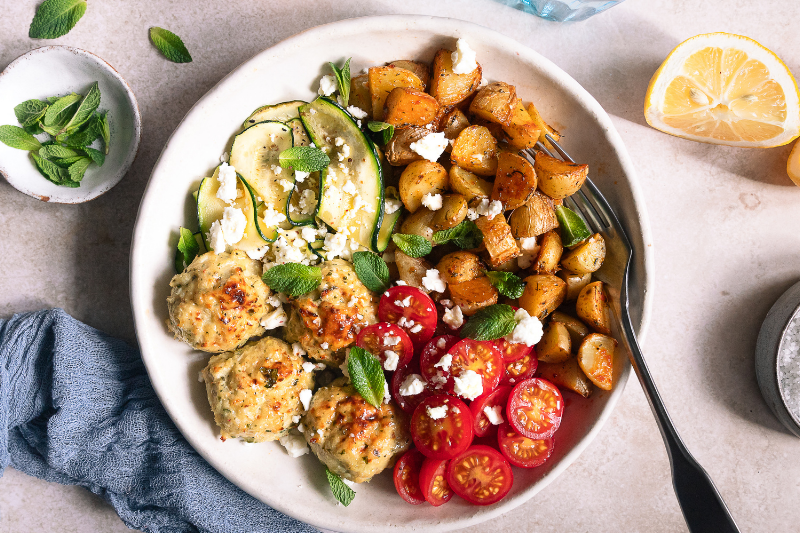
555,345
451,214
382,80
420,178
543,293
536,217
359,94
398,149
475,149
568,375
550,250
422,70
592,308
411,269
495,102
453,123
409,107
522,132
473,295
586,258
559,179
468,184
448,87
494,128
577,329
575,283
544,128
596,359
419,223
515,180
498,239
459,267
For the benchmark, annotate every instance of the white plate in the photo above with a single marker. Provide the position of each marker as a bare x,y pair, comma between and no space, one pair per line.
291,70
55,71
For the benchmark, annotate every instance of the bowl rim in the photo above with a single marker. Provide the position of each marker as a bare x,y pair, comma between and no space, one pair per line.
107,184
450,27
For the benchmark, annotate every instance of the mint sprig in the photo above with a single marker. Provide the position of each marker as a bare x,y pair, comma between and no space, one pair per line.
170,45
59,112
340,490
85,110
293,278
77,169
342,76
573,228
366,374
507,284
372,271
55,18
16,137
490,323
385,131
466,235
304,159
188,248
30,112
412,245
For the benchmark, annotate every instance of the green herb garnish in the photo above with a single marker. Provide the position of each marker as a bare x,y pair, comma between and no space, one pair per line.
30,112
341,492
372,271
85,110
293,278
16,137
385,131
55,18
507,284
573,228
466,235
343,80
412,245
188,248
170,45
490,323
366,374
304,159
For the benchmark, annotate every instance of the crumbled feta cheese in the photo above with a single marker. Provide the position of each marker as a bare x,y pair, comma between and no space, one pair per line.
347,482
432,201
494,414
445,362
391,340
216,238
437,413
495,208
464,58
416,328
343,367
227,183
453,317
387,396
338,141
308,202
400,282
233,224
412,385
431,146
296,419
301,428
528,244
277,169
349,187
320,432
224,157
286,184
357,112
433,281
305,398
275,319
298,350
391,361
295,444
468,385
272,217
528,330
274,300
490,209
308,234
335,245
407,301
392,205
327,86
300,176
308,367
324,345
441,343
258,253
530,251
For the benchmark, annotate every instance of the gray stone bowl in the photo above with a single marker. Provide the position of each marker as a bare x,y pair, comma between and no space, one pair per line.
770,340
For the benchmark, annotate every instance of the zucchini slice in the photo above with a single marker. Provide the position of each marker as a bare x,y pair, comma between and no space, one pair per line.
299,197
354,166
282,112
389,221
316,248
299,132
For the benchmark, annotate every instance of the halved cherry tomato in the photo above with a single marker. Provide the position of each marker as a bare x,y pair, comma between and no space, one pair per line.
409,403
406,477
383,337
480,475
495,398
431,355
511,351
433,481
445,436
522,451
534,408
480,356
412,310
520,369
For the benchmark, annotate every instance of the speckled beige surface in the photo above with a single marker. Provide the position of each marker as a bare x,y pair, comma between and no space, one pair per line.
726,226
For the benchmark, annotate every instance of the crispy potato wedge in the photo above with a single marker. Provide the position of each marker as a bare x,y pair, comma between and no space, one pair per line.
359,94
411,269
577,329
575,283
592,307
420,178
452,213
459,267
515,180
421,70
409,107
596,359
587,257
383,80
556,345
453,123
475,149
536,217
543,294
544,128
398,149
469,185
448,87
567,374
550,250
473,295
495,102
498,239
420,222
557,178
522,132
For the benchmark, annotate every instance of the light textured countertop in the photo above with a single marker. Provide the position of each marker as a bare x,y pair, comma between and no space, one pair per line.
726,228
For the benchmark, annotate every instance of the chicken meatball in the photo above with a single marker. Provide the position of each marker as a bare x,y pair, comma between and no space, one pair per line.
217,303
327,321
354,439
254,391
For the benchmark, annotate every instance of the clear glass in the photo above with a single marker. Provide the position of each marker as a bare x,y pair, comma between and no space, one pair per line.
562,10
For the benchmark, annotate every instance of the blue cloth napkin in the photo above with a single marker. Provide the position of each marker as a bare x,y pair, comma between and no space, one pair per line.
77,408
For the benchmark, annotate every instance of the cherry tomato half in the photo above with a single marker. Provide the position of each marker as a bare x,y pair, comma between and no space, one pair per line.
480,475
431,355
534,408
520,370
495,398
383,337
480,356
409,403
511,351
412,310
406,477
445,436
522,451
433,481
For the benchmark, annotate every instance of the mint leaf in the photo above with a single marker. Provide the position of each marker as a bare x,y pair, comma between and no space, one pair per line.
33,129
50,170
304,159
85,110
65,162
97,156
490,323
366,374
340,491
55,18
293,278
466,235
343,80
385,130
188,248
105,131
16,137
507,283
78,168
573,228
52,151
30,111
372,271
85,135
412,245
170,45
59,112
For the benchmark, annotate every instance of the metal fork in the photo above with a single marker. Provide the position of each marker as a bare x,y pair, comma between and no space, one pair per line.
702,506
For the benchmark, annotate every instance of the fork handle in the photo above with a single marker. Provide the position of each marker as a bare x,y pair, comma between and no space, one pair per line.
702,506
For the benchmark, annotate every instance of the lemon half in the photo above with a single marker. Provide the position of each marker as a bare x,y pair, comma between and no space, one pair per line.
724,89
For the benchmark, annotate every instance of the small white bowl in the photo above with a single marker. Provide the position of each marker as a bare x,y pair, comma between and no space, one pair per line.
58,70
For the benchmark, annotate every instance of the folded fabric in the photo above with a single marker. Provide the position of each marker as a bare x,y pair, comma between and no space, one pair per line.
77,408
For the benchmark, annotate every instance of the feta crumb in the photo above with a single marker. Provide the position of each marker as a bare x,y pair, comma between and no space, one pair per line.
300,176
327,86
259,253
335,245
528,244
349,187
433,282
296,419
295,445
305,398
437,413
494,414
445,362
308,367
320,432
324,345
275,319
233,224
453,317
216,238
391,340
272,217
343,366
528,330
298,350
432,201
338,141
391,361
431,146
286,184
441,343
301,428
412,385
308,202
227,183
392,205
387,397
468,385
495,208
464,58
416,328
400,282
356,112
